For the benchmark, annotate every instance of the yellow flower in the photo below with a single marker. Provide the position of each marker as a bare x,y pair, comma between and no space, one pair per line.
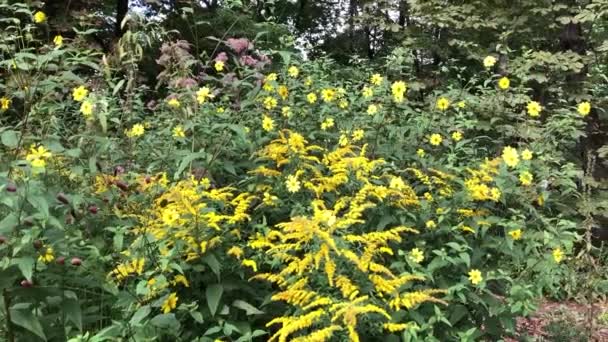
516,234
178,132
270,102
495,194
292,183
328,123
457,136
250,263
308,81
136,131
311,97
58,40
283,92
80,93
180,279
358,134
443,103
504,83
558,255
173,102
5,103
220,109
435,139
286,111
398,89
343,104
417,255
584,108
86,108
267,123
270,200
203,94
489,61
343,141
219,66
534,108
372,109
293,71
376,79
39,17
48,256
270,77
430,224
367,92
461,104
38,163
420,152
510,156
475,277
397,183
170,303
236,251
526,154
525,178
39,152
428,196
328,94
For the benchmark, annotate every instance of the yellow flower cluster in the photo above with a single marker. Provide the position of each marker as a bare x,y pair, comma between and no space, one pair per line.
328,243
478,184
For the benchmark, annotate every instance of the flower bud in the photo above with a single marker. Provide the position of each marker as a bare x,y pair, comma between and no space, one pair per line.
61,197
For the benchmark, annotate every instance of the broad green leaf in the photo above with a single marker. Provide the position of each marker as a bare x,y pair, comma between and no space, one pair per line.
166,321
248,308
8,223
186,161
26,266
213,263
140,314
213,295
71,307
10,138
26,319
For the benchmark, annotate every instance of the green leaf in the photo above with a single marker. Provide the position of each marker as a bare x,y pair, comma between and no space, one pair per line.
27,320
197,316
286,57
248,308
73,312
214,294
8,223
213,263
40,203
9,139
140,314
117,87
165,321
186,161
26,266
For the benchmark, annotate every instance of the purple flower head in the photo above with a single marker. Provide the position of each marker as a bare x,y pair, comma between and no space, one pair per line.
248,60
239,45
186,82
222,56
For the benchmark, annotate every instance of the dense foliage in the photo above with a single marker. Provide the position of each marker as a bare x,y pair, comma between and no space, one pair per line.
163,183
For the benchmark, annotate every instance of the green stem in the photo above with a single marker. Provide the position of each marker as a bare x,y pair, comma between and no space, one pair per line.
10,337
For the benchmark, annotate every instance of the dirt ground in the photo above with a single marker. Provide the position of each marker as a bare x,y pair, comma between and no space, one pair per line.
570,317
